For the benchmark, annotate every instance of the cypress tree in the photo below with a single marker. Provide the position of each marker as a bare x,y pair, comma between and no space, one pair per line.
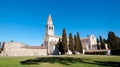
3,46
0,44
119,43
98,45
102,43
0,47
114,43
108,45
75,42
60,47
71,45
112,40
79,45
64,41
105,42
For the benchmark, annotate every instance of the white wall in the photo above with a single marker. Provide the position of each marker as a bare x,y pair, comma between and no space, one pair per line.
54,39
93,40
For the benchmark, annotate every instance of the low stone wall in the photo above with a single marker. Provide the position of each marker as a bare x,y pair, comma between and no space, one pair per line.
24,52
19,49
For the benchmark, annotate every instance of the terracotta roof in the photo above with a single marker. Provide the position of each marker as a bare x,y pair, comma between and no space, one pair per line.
84,38
89,51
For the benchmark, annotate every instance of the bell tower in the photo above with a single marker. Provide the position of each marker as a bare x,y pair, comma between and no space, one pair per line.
49,26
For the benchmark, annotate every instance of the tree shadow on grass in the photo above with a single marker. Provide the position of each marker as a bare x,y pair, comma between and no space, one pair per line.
108,63
68,61
61,60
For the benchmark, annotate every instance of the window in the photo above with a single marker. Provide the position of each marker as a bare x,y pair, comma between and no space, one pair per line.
51,28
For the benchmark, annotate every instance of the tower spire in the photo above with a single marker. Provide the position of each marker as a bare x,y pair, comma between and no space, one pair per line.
49,26
49,21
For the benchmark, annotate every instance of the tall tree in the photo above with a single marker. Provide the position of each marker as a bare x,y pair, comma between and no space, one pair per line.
102,43
0,44
0,47
64,41
79,44
119,43
114,43
113,40
3,46
75,42
60,47
98,45
106,42
71,45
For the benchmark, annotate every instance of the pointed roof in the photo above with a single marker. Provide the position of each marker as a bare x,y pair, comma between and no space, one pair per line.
49,21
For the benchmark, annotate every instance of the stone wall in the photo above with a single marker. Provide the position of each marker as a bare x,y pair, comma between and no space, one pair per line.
24,52
18,49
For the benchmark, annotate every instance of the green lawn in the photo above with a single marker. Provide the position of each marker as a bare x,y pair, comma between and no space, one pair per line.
61,61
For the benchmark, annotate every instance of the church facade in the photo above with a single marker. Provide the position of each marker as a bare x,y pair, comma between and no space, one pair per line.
50,40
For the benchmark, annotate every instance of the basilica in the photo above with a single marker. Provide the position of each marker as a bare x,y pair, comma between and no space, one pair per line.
50,40
89,44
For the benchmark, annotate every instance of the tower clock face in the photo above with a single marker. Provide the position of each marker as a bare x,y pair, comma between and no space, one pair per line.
50,28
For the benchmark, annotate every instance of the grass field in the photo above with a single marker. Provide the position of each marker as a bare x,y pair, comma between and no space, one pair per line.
61,61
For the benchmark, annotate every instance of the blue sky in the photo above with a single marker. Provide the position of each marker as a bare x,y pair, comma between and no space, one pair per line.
25,20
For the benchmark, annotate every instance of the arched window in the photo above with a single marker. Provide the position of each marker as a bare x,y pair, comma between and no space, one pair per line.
51,28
